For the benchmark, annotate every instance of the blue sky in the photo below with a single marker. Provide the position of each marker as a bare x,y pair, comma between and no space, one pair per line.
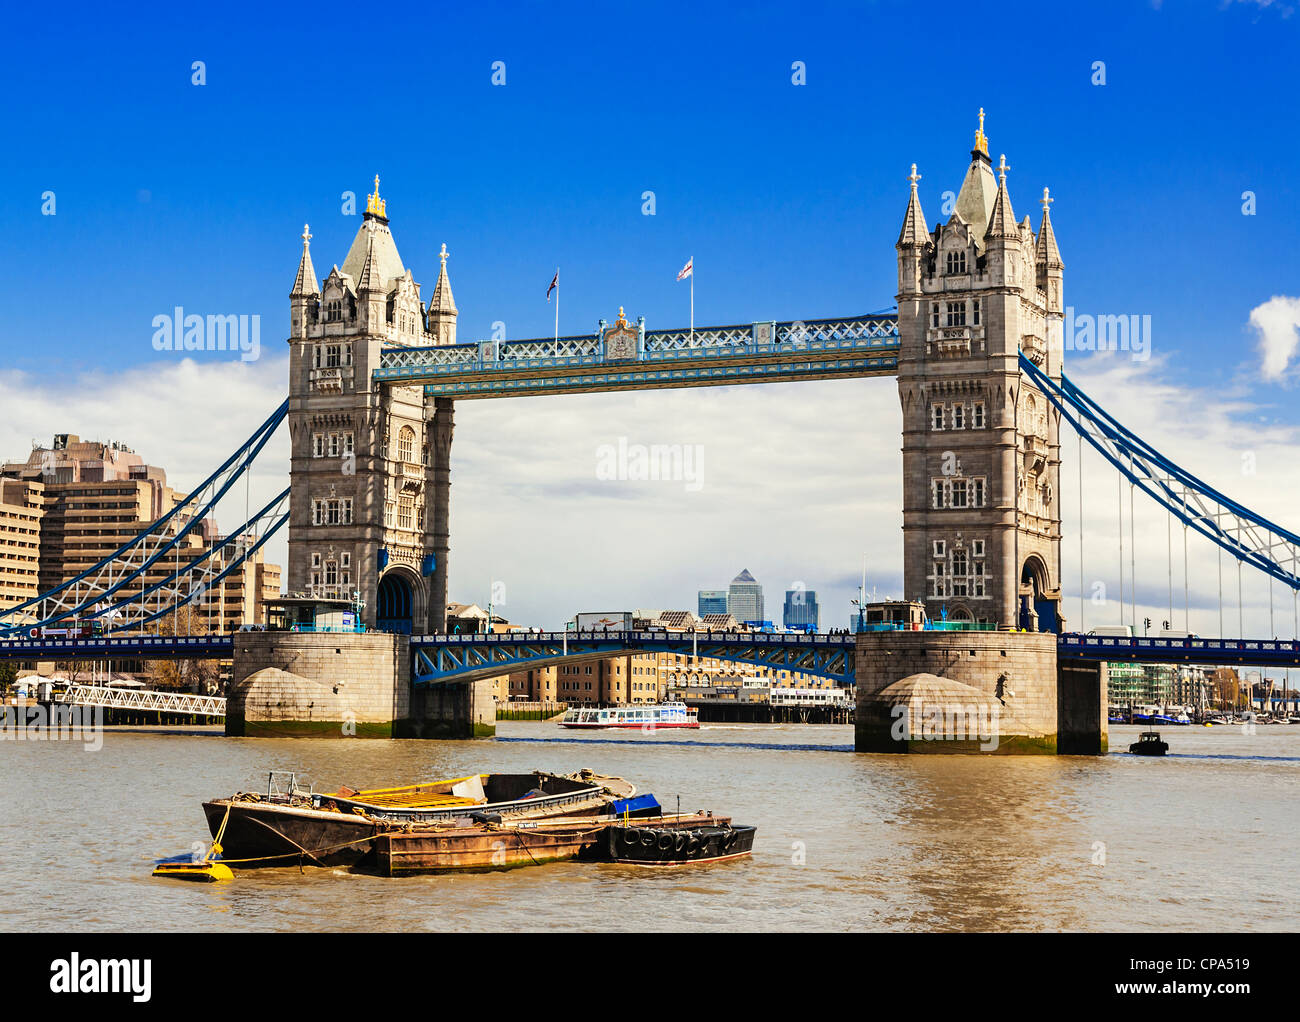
789,197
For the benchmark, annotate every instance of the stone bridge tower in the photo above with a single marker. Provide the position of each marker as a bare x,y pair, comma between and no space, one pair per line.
369,473
981,453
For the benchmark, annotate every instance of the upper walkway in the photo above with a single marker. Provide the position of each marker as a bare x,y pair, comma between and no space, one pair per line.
628,357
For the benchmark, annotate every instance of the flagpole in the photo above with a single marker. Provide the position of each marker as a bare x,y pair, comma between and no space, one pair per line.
557,312
692,300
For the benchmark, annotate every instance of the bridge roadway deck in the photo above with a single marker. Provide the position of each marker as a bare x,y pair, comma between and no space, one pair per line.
466,657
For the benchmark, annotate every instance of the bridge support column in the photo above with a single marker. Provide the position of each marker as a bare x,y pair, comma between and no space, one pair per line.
438,509
454,711
1082,708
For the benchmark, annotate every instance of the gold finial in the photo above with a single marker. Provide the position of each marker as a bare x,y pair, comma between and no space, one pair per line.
1046,201
621,320
1003,167
374,203
443,255
306,235
914,177
981,139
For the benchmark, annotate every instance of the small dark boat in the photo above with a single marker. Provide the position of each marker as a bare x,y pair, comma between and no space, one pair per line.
1149,744
713,840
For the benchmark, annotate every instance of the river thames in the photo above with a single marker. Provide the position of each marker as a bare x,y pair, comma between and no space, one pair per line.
1201,839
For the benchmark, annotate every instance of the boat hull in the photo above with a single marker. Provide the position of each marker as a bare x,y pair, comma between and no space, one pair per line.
333,830
640,726
685,846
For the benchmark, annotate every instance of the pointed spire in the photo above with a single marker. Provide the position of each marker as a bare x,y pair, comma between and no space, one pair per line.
305,282
1046,252
913,232
442,301
375,206
981,139
1002,221
368,279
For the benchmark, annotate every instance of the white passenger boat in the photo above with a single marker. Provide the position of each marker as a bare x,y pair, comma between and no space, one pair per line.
649,718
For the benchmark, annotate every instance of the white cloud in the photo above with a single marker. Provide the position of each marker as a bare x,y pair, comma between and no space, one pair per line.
1277,322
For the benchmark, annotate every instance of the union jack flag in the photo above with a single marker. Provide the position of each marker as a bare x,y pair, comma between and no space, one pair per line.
555,281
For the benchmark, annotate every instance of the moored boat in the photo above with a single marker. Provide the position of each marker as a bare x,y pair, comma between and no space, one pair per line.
712,840
470,846
647,718
1149,743
286,826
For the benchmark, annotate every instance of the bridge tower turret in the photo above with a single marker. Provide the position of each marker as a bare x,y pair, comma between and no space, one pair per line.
358,450
981,462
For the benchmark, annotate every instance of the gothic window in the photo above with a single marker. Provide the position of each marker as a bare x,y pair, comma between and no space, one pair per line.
956,262
937,581
333,311
316,513
317,356
347,512
959,494
977,415
332,509
956,313
406,444
334,445
977,548
937,493
940,546
331,573
345,560
347,443
937,422
318,445
959,416
976,492
975,311
977,578
934,314
405,511
388,514
333,356
315,559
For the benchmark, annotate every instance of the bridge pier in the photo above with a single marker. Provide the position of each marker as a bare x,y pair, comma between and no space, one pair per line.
453,711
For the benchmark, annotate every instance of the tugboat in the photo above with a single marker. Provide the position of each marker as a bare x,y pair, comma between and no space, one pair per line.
1149,744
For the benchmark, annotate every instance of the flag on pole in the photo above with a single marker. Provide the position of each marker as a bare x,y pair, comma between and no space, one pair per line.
555,282
687,269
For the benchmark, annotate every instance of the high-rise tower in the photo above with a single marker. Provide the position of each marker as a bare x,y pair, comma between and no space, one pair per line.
981,458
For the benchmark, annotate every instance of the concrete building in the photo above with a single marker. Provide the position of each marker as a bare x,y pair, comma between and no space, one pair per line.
801,609
711,601
745,598
21,510
95,497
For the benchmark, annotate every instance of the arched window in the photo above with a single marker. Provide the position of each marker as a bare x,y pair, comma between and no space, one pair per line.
406,444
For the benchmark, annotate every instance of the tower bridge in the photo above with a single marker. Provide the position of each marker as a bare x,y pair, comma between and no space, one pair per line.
975,347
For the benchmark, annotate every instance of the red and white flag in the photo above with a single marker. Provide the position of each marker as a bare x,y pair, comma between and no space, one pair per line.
687,269
555,282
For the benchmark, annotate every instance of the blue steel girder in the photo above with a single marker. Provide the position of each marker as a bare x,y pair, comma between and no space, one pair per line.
1192,650
143,647
444,659
767,352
